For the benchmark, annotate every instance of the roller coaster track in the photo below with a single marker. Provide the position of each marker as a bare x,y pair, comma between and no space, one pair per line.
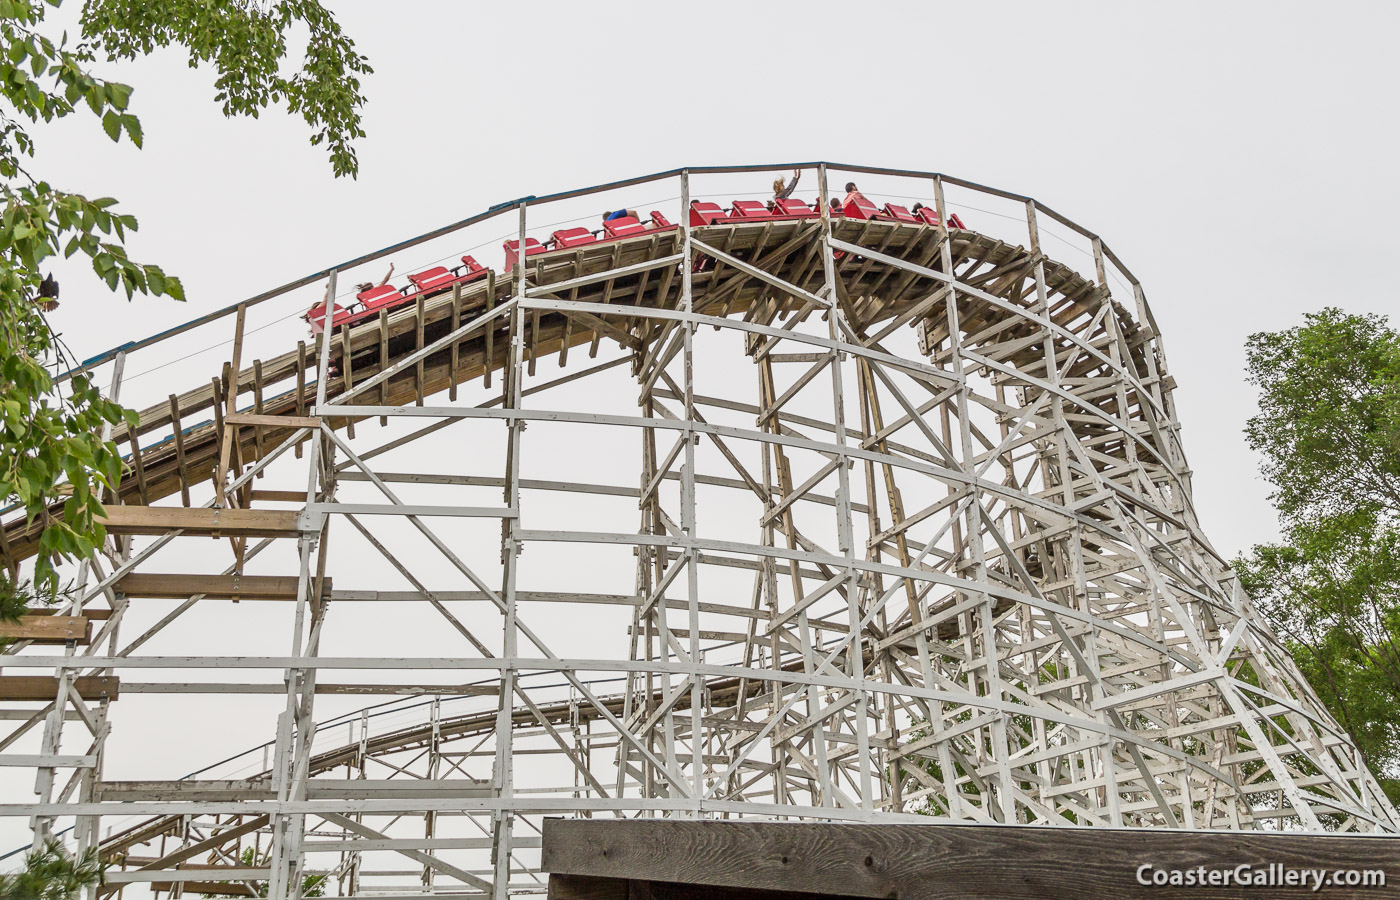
787,249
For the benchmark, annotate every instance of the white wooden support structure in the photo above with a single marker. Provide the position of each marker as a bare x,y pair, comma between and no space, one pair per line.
855,520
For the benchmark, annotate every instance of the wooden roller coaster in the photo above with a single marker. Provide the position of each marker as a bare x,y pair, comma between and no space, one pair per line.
975,588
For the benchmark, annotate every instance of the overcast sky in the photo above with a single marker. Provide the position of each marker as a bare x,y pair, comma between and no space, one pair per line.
1239,157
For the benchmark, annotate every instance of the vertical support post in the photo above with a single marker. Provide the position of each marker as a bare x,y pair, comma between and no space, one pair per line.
503,774
1038,730
230,433
1005,810
654,562
855,656
692,567
825,784
295,728
1073,555
434,771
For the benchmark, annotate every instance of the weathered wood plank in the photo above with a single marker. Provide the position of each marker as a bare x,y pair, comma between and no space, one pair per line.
260,788
212,888
279,496
274,421
45,687
419,372
214,587
200,521
584,887
348,375
139,464
941,862
46,629
179,436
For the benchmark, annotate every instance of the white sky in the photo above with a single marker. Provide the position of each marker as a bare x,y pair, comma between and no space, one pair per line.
1239,158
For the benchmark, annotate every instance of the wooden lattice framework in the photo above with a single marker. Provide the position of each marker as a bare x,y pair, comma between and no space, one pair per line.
967,580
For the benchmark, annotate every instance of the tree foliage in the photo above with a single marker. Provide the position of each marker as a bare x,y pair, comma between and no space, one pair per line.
52,873
311,885
19,597
50,446
1329,432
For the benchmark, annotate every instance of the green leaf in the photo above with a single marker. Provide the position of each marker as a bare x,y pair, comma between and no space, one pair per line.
118,94
112,124
133,129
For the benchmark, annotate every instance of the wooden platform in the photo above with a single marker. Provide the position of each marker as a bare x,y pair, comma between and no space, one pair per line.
628,859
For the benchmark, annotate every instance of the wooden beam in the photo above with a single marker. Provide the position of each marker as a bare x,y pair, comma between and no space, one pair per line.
279,496
144,861
48,629
301,380
490,356
201,521
94,613
938,861
583,887
273,421
213,587
139,465
384,359
258,410
221,790
346,371
203,790
180,449
215,474
456,346
45,687
419,375
213,888
232,371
